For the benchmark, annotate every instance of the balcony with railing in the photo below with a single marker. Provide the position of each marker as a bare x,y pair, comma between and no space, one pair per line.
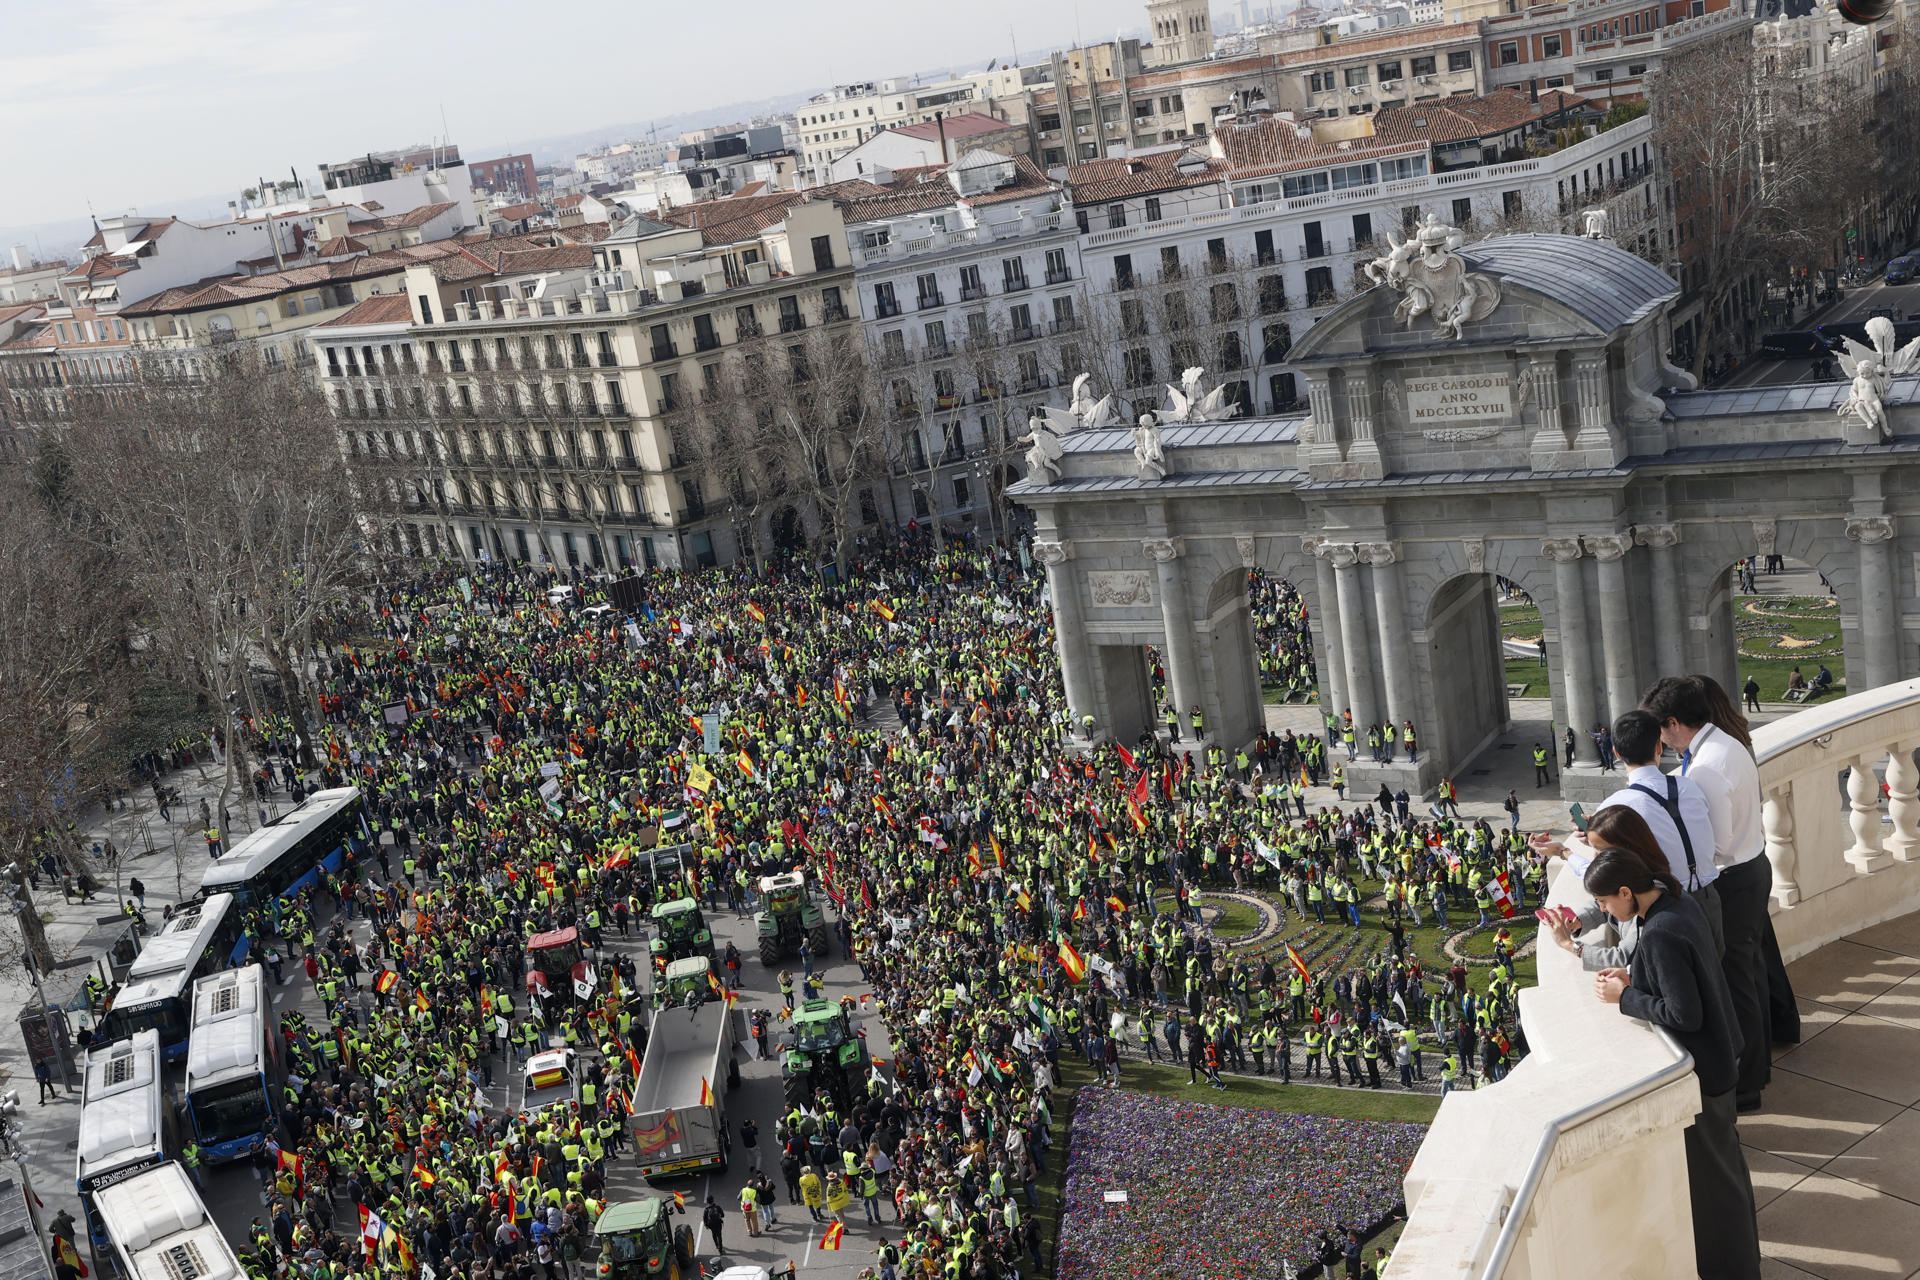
1586,1132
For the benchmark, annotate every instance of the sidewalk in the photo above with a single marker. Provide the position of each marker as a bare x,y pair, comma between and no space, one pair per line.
79,935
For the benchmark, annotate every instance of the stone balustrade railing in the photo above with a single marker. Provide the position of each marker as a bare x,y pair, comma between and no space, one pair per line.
1515,1180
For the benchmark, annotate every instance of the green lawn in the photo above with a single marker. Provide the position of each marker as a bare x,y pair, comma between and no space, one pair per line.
1522,622
1779,633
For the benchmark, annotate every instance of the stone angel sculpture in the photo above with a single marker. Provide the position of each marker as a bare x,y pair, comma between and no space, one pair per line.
1092,414
1185,403
1872,370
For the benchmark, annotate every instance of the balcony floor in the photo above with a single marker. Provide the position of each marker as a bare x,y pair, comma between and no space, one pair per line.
1835,1154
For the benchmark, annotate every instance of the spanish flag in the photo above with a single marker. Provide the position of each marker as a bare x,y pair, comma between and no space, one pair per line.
699,724
1299,965
63,1251
706,1093
717,990
799,696
880,804
1080,909
1116,903
386,982
680,1200
1071,961
420,999
1026,903
880,607
831,1240
973,858
999,854
423,1174
745,762
755,612
406,1254
289,1161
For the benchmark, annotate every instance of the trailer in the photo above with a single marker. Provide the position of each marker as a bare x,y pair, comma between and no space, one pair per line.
679,1120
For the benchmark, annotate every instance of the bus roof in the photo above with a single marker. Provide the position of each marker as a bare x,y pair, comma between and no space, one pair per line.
228,1027
162,1230
120,1105
258,851
138,993
182,938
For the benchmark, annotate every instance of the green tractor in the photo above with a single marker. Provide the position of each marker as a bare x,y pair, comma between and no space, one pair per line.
679,930
788,912
822,1051
687,981
639,1242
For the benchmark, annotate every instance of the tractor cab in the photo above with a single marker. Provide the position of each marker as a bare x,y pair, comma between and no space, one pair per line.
557,966
783,892
787,915
688,976
823,1051
639,1242
679,930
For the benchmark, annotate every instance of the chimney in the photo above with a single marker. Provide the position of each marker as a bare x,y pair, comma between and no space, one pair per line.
1533,90
940,123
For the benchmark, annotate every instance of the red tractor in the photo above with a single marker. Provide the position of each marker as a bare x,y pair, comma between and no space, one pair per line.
557,968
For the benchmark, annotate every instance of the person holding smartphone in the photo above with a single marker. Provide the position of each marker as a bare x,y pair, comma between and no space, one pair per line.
1675,981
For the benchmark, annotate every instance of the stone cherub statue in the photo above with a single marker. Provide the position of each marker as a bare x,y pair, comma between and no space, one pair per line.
1147,453
1873,370
1043,446
1428,269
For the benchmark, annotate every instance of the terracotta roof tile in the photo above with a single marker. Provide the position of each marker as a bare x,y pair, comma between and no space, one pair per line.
1119,177
386,308
514,212
973,122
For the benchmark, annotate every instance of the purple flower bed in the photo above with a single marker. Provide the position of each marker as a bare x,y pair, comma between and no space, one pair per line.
1218,1192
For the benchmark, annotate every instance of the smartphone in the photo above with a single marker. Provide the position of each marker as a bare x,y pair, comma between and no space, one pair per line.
1579,817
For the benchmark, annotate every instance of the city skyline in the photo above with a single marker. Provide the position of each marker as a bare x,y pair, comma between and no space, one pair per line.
75,80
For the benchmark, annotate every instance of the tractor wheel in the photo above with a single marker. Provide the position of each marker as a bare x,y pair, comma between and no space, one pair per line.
683,1247
818,937
799,1089
770,952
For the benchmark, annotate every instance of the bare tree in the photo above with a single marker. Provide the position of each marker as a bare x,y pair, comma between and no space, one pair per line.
1736,182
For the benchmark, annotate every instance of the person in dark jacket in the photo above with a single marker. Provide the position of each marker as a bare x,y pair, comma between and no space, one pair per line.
1674,980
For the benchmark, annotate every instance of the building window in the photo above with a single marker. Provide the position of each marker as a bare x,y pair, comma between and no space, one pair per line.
1116,216
1460,60
823,253
1423,66
1550,46
962,496
1462,211
1509,52
1139,367
1604,73
1357,77
1389,72
1153,208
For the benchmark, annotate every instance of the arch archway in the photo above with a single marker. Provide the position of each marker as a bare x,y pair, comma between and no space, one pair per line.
1467,665
1229,668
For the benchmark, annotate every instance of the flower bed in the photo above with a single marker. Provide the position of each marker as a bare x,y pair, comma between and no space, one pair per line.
1218,1192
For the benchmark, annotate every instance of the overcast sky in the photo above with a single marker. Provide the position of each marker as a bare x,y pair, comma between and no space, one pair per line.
132,103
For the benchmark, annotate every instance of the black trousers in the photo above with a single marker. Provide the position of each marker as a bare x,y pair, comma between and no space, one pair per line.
1726,1236
1743,911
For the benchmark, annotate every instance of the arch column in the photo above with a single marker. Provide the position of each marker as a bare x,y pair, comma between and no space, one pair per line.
1396,656
1069,626
1354,646
1879,617
1576,657
1616,633
1176,620
1334,677
1669,624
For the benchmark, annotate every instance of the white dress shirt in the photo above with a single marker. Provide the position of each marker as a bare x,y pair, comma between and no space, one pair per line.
1694,811
1725,771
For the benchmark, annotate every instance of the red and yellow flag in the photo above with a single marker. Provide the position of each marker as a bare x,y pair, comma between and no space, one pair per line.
1116,903
63,1251
745,762
999,854
1072,962
423,1174
973,858
679,1199
839,692
1299,965
706,1093
755,612
1026,903
831,1240
880,607
386,982
1080,909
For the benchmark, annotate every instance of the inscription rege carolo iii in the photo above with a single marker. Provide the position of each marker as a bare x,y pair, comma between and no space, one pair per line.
1477,397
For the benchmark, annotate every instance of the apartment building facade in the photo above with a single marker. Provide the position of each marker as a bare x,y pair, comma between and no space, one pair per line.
1606,48
536,407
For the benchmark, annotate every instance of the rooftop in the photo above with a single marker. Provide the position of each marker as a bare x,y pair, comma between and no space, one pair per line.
961,126
1118,177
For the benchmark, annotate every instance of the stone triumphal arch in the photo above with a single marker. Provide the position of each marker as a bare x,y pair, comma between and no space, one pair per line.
1502,409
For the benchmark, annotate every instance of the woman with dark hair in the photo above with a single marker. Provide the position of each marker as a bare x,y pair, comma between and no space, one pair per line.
1614,827
1722,713
1674,981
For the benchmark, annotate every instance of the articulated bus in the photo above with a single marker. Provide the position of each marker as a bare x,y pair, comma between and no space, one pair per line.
234,1070
160,1229
125,1123
202,937
286,856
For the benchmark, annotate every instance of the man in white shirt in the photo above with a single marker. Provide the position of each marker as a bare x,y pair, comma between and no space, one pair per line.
1725,772
1675,810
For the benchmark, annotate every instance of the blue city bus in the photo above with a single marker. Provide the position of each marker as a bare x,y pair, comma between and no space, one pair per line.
125,1122
234,1067
201,937
286,856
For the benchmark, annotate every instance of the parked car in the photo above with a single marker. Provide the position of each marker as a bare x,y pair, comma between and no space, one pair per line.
1900,271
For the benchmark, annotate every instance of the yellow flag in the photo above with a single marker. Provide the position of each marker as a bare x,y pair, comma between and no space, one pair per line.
699,778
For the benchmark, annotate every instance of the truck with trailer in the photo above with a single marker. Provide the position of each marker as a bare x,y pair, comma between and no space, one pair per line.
678,1113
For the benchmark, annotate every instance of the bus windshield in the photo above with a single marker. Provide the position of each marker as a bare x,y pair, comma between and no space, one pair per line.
234,1110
